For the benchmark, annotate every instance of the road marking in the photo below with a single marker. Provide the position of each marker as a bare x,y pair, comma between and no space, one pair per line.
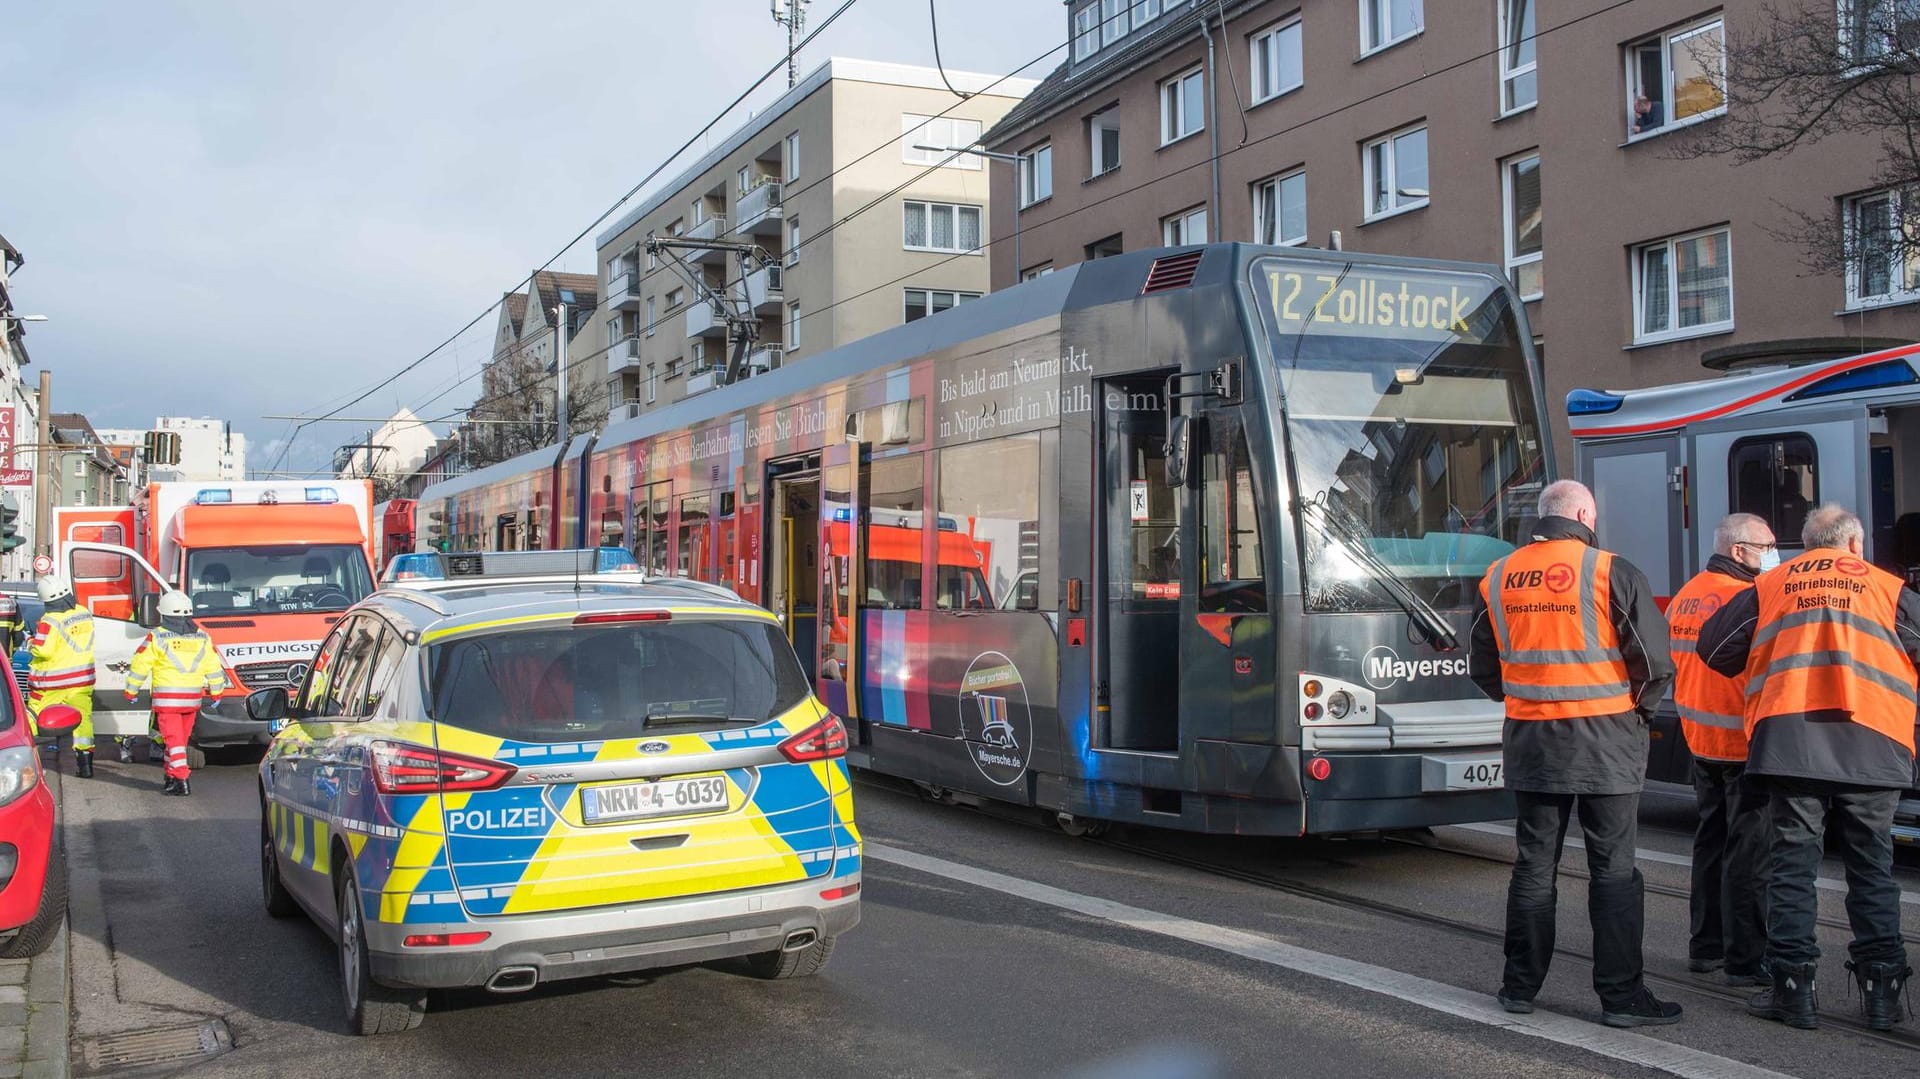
1451,1000
1663,858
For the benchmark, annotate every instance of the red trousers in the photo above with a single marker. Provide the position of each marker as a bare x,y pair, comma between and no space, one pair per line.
176,726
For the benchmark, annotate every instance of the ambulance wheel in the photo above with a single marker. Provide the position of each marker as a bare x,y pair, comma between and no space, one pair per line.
196,758
280,903
156,753
372,1008
799,963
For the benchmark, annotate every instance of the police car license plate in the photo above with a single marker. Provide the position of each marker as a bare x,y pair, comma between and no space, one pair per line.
663,798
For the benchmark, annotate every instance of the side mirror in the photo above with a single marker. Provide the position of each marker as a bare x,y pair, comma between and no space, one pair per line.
1179,439
57,719
267,704
147,612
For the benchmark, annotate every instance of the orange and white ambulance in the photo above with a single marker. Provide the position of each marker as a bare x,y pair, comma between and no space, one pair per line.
269,566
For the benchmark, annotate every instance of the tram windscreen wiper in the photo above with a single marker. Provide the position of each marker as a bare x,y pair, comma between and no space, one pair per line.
1334,523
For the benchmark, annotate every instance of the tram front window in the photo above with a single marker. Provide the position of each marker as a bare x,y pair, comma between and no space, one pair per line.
1412,420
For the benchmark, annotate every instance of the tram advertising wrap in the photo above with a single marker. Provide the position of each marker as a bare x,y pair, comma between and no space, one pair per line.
1183,537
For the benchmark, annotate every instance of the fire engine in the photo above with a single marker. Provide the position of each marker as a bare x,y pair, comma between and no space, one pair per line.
269,567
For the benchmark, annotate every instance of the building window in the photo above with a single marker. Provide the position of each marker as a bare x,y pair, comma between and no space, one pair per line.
1185,227
1388,22
1396,168
1037,272
792,162
793,241
1883,262
80,468
653,258
1115,21
1036,175
1086,32
938,131
1103,141
922,302
940,226
650,316
674,227
1871,31
1107,248
1776,476
1280,210
699,357
1101,23
1520,187
675,299
653,383
793,326
1277,64
1518,87
1182,107
1676,78
1683,286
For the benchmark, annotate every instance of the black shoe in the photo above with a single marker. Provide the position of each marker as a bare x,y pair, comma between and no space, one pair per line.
1705,966
170,786
83,763
126,753
185,788
1755,979
1644,1010
1514,1004
1880,986
1790,999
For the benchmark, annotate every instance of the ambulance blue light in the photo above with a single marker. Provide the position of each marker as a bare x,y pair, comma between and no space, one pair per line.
1878,376
843,514
1593,402
213,496
324,495
617,560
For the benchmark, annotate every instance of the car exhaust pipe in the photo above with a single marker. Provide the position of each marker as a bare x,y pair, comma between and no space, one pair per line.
513,980
798,939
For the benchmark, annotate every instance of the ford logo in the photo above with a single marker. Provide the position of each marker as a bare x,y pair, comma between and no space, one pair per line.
654,747
296,674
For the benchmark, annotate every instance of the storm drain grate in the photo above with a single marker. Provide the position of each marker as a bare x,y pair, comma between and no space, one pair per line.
144,1048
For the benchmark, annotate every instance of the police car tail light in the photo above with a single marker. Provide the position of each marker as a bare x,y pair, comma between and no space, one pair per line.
443,940
822,741
601,618
404,769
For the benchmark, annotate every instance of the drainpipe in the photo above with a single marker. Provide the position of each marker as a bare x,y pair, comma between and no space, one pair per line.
1213,133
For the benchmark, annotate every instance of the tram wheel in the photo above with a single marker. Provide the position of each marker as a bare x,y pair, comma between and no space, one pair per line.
1079,827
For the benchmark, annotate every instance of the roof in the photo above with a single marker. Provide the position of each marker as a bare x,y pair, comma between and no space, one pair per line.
838,67
457,607
289,524
1068,84
516,303
584,286
11,253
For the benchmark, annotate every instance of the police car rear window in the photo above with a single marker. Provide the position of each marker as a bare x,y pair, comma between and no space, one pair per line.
617,680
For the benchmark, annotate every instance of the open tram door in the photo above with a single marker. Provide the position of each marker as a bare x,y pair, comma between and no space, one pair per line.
792,579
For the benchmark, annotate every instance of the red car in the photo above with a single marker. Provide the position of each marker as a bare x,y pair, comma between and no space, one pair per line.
33,882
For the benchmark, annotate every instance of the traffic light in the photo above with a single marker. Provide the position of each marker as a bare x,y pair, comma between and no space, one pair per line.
162,448
433,530
10,536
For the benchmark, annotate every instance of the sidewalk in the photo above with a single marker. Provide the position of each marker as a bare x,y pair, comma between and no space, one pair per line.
34,1016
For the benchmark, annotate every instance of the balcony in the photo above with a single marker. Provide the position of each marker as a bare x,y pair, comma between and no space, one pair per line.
702,381
624,355
623,291
704,321
764,295
765,358
758,211
713,228
625,408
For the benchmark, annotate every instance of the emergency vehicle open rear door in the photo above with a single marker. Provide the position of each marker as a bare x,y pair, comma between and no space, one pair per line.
1779,465
110,580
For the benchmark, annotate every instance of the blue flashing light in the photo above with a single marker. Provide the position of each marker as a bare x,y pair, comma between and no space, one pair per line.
421,565
1878,376
843,514
326,495
948,524
616,560
1593,402
213,496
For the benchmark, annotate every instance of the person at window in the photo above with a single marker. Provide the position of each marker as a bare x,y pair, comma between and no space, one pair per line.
1647,114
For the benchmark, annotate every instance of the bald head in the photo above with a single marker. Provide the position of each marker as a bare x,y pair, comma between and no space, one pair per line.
1569,499
1835,527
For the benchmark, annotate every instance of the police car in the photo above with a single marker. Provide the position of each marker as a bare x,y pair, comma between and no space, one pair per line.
524,770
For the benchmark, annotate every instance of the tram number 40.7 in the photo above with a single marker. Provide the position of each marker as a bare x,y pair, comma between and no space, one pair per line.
1473,775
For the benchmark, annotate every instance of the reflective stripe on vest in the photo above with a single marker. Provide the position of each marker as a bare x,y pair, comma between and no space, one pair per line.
69,663
1712,706
1551,607
1824,643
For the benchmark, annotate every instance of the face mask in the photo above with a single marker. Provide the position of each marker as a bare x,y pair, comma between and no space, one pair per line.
1769,558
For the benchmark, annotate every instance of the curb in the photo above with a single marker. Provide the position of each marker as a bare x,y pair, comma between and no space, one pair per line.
49,985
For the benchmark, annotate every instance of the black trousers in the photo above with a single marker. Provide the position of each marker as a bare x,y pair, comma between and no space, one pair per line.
1799,810
1615,894
1729,866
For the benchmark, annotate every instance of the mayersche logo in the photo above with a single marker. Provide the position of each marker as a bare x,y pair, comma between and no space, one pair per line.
1382,667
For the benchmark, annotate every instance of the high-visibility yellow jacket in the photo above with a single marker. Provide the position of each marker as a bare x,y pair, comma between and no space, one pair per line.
62,651
178,667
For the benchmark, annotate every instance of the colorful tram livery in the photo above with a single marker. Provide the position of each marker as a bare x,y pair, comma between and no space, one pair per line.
1186,537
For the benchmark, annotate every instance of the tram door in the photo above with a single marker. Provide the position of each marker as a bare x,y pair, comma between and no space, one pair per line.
792,571
651,505
1138,570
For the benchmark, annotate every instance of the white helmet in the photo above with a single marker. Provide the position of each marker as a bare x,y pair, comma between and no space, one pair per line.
175,604
53,588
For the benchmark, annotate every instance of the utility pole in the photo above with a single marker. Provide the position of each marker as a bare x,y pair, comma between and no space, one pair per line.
560,371
791,14
43,471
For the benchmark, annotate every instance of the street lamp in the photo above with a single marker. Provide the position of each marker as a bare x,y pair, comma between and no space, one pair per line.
1014,159
23,318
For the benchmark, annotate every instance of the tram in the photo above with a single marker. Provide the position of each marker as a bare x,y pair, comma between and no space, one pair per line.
1186,537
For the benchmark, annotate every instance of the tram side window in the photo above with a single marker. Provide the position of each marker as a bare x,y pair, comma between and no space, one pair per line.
695,513
989,545
1775,477
1231,524
892,574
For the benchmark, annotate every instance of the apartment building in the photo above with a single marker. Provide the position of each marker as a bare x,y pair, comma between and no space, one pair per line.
209,450
85,466
23,402
856,229
519,388
1458,129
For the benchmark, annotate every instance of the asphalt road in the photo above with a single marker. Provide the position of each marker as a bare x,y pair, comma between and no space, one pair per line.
989,947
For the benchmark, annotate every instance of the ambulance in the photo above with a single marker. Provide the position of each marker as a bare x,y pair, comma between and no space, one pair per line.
269,566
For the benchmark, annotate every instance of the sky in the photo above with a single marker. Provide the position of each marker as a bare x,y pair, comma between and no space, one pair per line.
245,209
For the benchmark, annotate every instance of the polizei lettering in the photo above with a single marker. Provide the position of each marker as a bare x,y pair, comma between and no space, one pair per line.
503,819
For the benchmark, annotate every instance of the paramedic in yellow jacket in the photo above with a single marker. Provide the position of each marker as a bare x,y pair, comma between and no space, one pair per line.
61,668
179,665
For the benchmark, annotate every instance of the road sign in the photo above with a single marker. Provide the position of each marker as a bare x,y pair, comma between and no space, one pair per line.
42,564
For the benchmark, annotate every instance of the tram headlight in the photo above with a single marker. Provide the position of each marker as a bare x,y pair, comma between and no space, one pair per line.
1340,704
